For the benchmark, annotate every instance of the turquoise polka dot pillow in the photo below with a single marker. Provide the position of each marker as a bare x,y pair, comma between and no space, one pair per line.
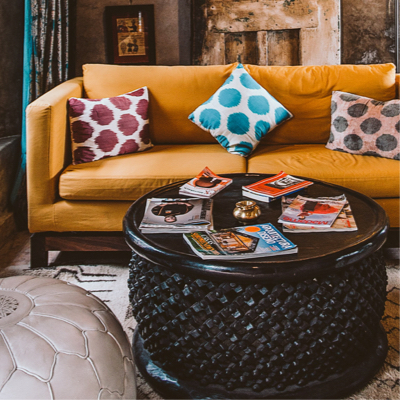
240,113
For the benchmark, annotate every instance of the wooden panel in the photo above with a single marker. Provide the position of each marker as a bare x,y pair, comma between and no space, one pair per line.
268,32
258,15
86,241
213,51
321,45
262,43
283,47
368,33
241,47
199,29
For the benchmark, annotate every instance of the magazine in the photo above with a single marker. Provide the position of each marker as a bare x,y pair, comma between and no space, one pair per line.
344,222
274,187
177,215
205,185
311,212
239,243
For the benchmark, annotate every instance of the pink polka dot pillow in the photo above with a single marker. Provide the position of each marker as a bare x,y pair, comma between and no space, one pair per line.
109,127
360,125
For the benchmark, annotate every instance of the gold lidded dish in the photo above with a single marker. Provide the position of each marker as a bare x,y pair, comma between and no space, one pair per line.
246,211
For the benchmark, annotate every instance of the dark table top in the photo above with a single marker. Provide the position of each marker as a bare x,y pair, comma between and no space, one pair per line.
318,253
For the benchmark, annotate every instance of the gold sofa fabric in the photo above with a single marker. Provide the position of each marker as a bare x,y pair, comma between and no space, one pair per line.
48,152
392,208
306,92
174,92
106,188
130,176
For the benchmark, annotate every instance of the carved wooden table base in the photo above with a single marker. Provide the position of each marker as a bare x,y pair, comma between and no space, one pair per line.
315,338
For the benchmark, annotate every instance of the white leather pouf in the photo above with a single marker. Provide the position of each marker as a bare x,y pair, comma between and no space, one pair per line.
58,341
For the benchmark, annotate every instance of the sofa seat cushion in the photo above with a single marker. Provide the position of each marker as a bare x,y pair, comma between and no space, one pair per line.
130,176
373,176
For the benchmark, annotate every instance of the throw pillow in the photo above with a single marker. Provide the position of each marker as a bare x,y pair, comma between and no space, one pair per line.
361,125
109,127
240,113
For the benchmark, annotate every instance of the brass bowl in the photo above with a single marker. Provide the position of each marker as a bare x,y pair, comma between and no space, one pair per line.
246,210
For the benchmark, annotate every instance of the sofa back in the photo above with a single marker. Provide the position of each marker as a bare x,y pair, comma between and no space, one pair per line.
176,91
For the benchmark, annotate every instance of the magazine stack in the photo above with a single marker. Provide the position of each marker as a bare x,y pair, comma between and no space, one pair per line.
344,220
205,185
275,187
177,215
237,243
322,214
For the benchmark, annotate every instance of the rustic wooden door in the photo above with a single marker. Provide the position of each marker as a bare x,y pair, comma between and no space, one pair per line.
266,32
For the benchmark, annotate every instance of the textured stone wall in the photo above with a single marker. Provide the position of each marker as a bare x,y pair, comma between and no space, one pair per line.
172,30
266,32
11,50
368,31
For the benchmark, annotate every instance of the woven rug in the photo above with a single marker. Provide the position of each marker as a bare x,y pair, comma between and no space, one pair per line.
107,279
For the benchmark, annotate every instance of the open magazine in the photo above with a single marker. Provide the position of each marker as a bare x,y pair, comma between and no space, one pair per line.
344,222
177,215
316,212
239,243
274,187
205,185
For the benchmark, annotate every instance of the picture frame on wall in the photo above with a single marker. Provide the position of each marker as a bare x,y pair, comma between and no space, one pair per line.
130,34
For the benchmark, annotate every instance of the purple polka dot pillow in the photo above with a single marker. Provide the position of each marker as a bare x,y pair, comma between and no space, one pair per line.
109,127
360,125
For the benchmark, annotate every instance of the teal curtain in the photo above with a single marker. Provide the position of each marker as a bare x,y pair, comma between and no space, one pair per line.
46,64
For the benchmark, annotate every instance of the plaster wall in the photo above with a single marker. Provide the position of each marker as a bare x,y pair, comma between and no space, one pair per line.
172,30
368,31
11,50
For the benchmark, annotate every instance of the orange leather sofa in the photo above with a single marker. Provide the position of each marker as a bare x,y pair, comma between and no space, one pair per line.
81,207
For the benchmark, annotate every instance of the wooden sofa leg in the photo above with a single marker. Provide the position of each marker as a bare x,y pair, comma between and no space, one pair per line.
39,254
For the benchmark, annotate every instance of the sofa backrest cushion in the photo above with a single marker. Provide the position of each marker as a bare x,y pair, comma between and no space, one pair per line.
306,92
176,91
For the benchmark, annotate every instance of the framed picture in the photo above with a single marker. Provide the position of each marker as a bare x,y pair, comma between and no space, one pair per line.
130,34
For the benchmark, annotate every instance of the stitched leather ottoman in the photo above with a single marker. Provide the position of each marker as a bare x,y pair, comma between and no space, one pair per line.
58,341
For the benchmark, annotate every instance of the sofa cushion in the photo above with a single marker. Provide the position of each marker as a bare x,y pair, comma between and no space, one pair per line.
306,91
240,113
373,176
130,176
174,91
109,126
361,125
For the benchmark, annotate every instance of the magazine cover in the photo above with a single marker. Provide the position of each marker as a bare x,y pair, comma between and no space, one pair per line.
312,212
262,197
276,186
206,184
344,222
239,243
177,215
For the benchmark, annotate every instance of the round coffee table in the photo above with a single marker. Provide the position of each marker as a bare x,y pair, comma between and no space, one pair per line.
303,325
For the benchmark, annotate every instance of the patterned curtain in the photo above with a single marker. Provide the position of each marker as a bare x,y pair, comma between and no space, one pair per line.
46,56
48,60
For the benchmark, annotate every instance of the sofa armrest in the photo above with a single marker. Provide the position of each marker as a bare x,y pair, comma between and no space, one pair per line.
47,144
